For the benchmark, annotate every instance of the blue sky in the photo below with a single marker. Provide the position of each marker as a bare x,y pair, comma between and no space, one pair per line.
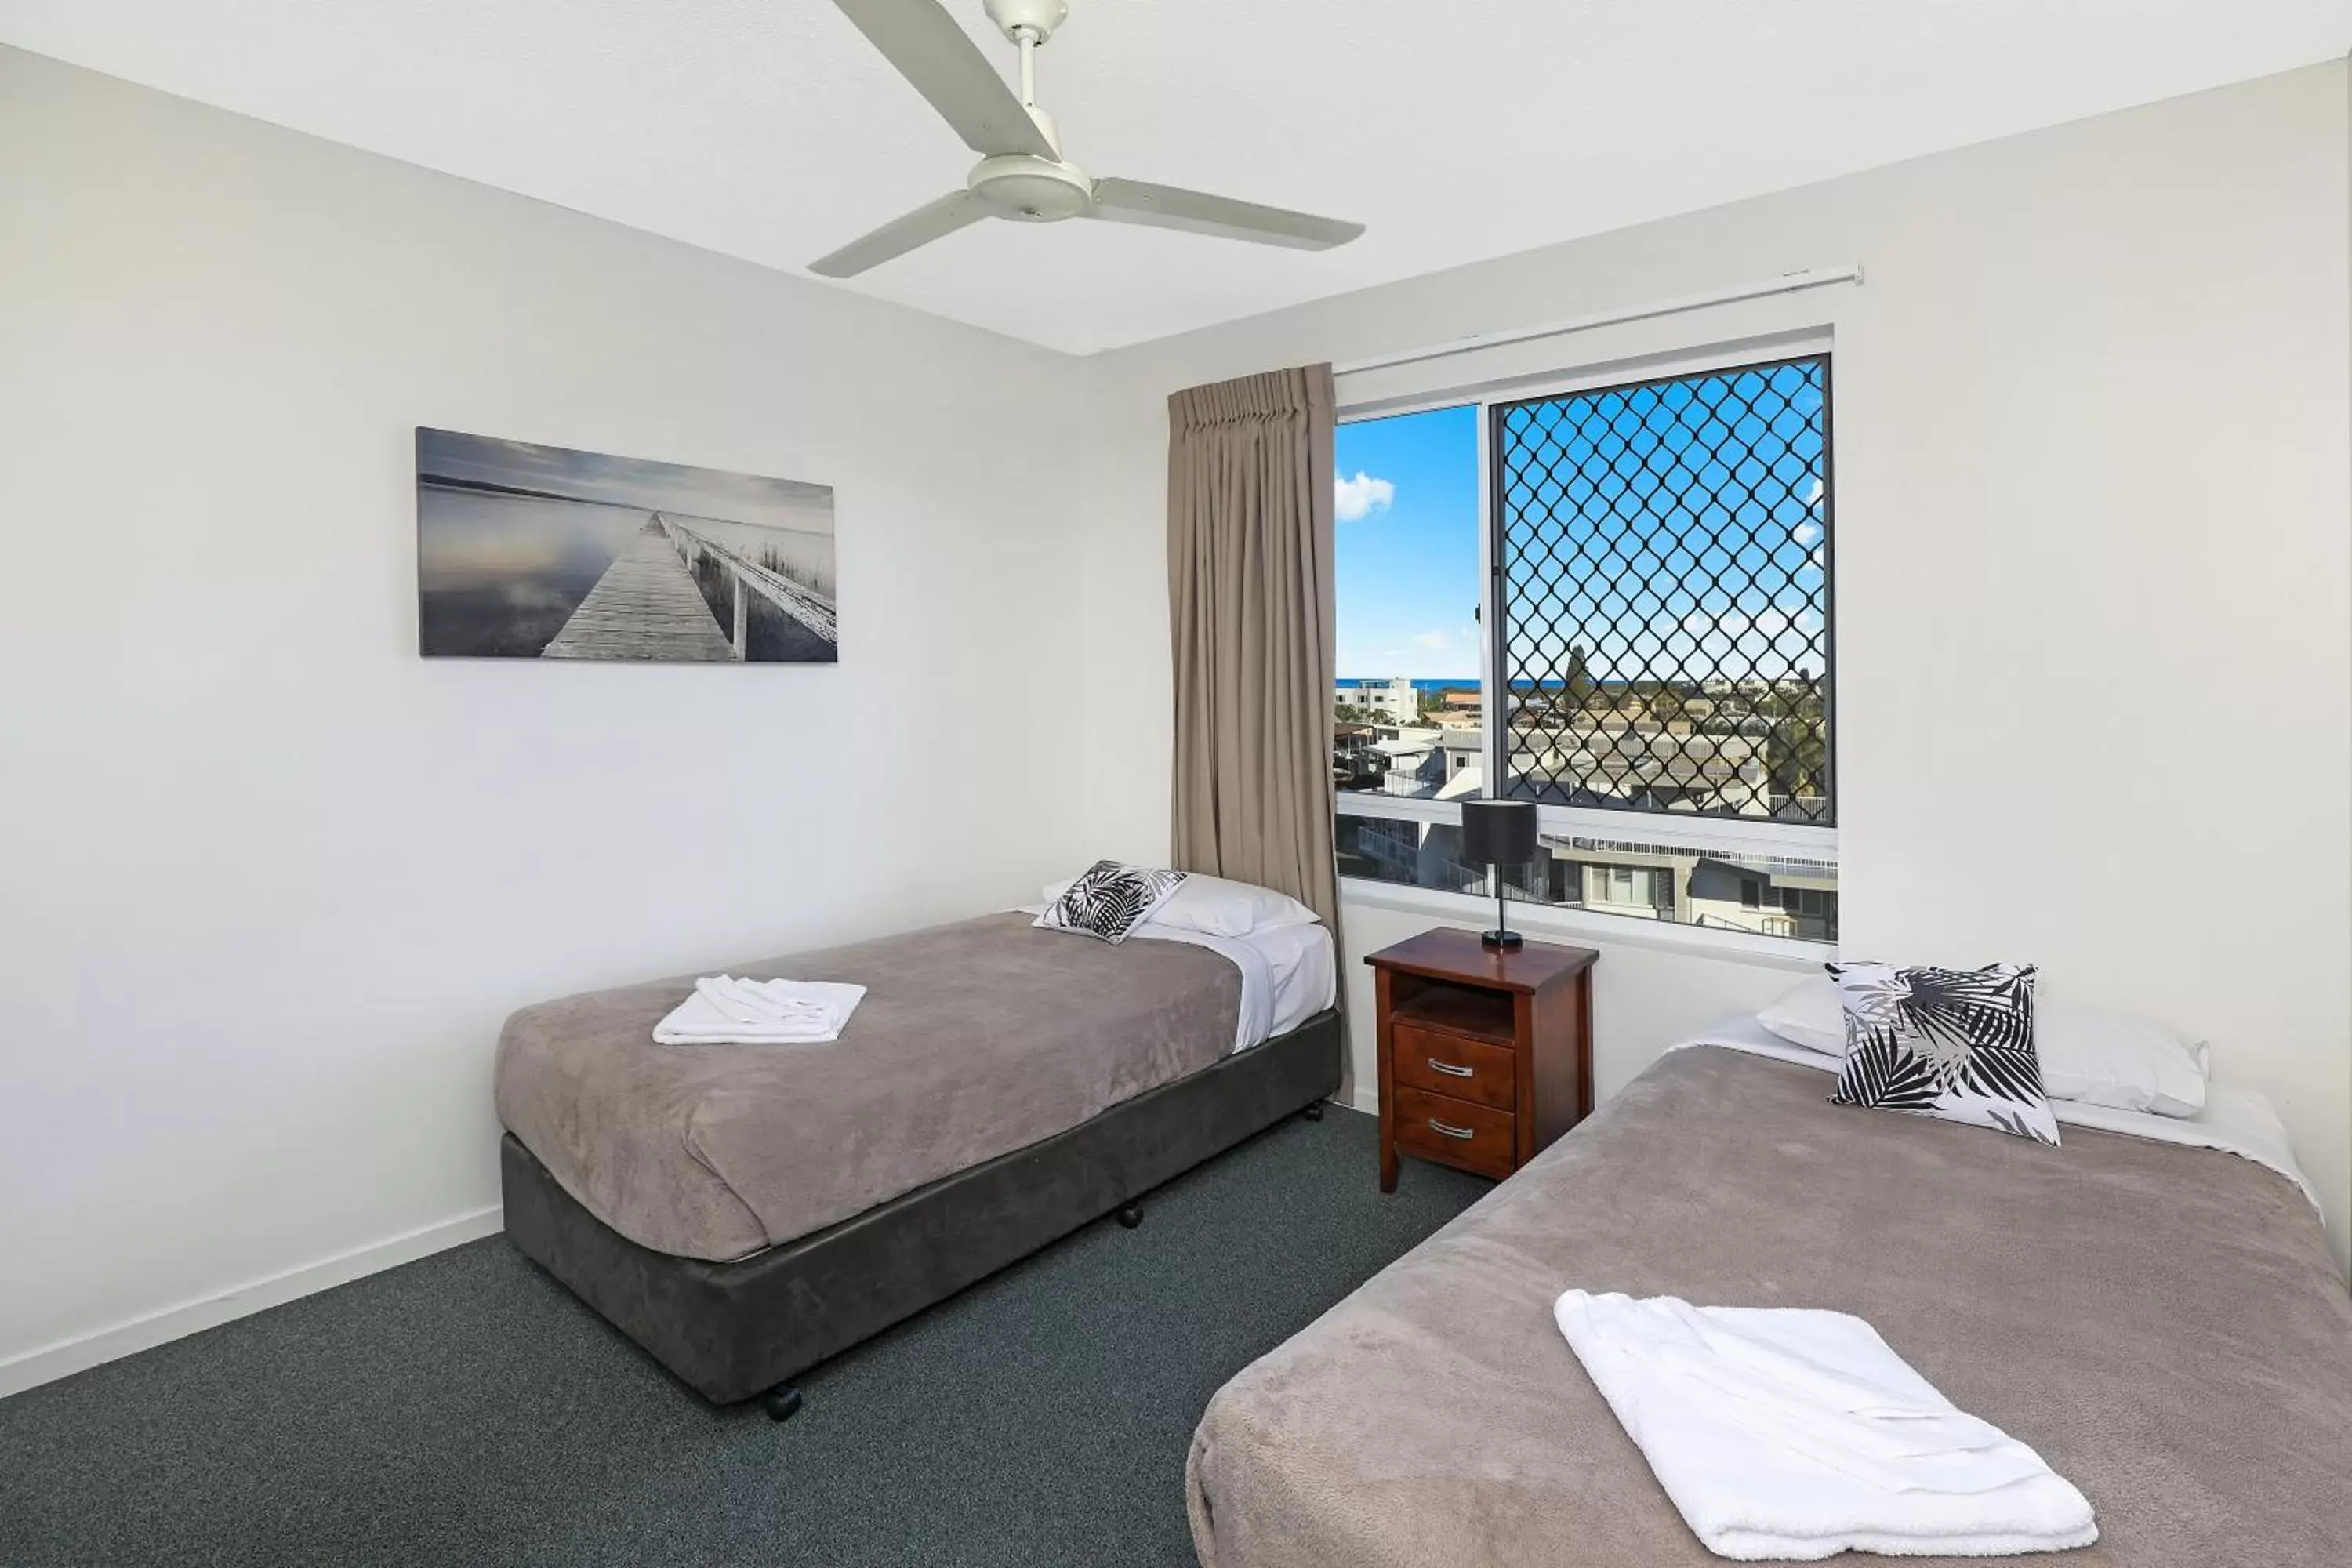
1676,564
1406,567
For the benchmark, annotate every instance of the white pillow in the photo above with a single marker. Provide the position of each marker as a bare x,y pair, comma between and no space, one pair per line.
2088,1054
2104,1058
1808,1014
1215,906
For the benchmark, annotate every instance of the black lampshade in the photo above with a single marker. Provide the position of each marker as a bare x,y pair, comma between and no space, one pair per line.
1498,832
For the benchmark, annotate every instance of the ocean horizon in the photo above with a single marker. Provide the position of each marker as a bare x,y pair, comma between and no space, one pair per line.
1452,682
1472,683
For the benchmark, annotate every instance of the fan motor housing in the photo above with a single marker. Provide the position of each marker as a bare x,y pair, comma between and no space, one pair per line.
1031,190
1040,16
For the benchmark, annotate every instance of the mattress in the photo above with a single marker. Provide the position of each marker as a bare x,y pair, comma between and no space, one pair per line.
975,1039
2163,1323
1289,973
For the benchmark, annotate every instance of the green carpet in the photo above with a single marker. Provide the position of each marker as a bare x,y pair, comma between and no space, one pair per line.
466,1409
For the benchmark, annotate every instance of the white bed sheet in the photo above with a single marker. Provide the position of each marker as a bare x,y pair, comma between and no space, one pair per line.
2238,1121
1289,973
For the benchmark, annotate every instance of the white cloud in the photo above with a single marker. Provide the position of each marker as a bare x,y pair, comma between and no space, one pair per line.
1772,642
1739,623
1806,532
1363,496
1418,643
1815,498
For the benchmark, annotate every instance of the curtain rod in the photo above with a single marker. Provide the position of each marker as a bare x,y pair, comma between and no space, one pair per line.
1787,283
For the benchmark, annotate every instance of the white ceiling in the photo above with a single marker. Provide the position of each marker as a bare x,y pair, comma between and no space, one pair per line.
1457,129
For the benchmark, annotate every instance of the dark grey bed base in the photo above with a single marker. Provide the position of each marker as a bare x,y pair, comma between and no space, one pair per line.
734,1330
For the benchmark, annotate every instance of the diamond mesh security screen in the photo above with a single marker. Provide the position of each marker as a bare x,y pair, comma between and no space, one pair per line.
1664,558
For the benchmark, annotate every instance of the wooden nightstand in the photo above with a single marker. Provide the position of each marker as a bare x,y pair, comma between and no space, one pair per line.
1485,1055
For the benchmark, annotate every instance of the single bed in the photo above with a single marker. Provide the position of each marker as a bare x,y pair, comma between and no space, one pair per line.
743,1211
2163,1323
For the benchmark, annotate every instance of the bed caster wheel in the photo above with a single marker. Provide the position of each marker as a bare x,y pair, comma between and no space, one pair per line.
1130,1215
782,1402
1313,1112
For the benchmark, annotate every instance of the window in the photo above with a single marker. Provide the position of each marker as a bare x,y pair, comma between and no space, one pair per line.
1665,601
1611,599
1628,887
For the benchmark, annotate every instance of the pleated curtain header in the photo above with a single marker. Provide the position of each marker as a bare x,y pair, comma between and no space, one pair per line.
1268,395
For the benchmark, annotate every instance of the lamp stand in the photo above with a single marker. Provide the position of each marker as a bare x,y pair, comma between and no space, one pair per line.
1502,939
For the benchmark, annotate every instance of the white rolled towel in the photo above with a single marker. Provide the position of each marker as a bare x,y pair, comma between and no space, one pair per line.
1783,1433
724,1010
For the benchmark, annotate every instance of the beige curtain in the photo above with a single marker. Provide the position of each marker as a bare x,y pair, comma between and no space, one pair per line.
1249,598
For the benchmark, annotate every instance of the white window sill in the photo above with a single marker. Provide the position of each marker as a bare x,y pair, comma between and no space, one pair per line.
1748,948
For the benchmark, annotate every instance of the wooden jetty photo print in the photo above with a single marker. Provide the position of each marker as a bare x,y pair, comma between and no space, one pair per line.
525,552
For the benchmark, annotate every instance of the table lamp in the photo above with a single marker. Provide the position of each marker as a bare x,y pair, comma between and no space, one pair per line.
1498,833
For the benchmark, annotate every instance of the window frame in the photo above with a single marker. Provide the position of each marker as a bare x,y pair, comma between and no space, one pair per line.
1759,836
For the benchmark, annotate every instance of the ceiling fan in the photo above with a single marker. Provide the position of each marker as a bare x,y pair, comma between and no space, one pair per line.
1022,174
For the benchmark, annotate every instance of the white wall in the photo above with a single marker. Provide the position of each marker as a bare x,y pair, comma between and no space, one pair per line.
2094,568
268,879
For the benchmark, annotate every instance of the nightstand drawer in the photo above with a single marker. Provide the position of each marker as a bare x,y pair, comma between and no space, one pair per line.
1475,1137
1454,1066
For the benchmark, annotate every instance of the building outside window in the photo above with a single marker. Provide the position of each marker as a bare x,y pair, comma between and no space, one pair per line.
1614,600
1389,701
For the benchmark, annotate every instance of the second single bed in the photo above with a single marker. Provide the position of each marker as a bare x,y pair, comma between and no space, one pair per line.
744,1211
2163,1323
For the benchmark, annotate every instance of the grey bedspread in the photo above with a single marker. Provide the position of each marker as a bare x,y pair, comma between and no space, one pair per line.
974,1039
2164,1324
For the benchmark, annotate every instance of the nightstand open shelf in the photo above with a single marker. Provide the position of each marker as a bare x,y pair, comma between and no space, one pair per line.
1456,1009
1485,1057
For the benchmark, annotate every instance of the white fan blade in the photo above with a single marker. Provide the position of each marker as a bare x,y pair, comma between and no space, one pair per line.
900,235
942,63
1165,207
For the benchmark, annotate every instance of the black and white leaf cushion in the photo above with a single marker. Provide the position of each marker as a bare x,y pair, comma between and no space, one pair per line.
1956,1044
1110,900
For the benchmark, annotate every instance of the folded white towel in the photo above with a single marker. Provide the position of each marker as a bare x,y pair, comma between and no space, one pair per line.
764,1002
723,1010
1784,1432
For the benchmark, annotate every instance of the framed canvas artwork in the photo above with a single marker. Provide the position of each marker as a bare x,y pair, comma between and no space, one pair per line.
530,552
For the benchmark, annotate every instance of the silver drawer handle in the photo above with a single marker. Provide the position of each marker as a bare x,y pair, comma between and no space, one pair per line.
1449,1131
1450,1070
